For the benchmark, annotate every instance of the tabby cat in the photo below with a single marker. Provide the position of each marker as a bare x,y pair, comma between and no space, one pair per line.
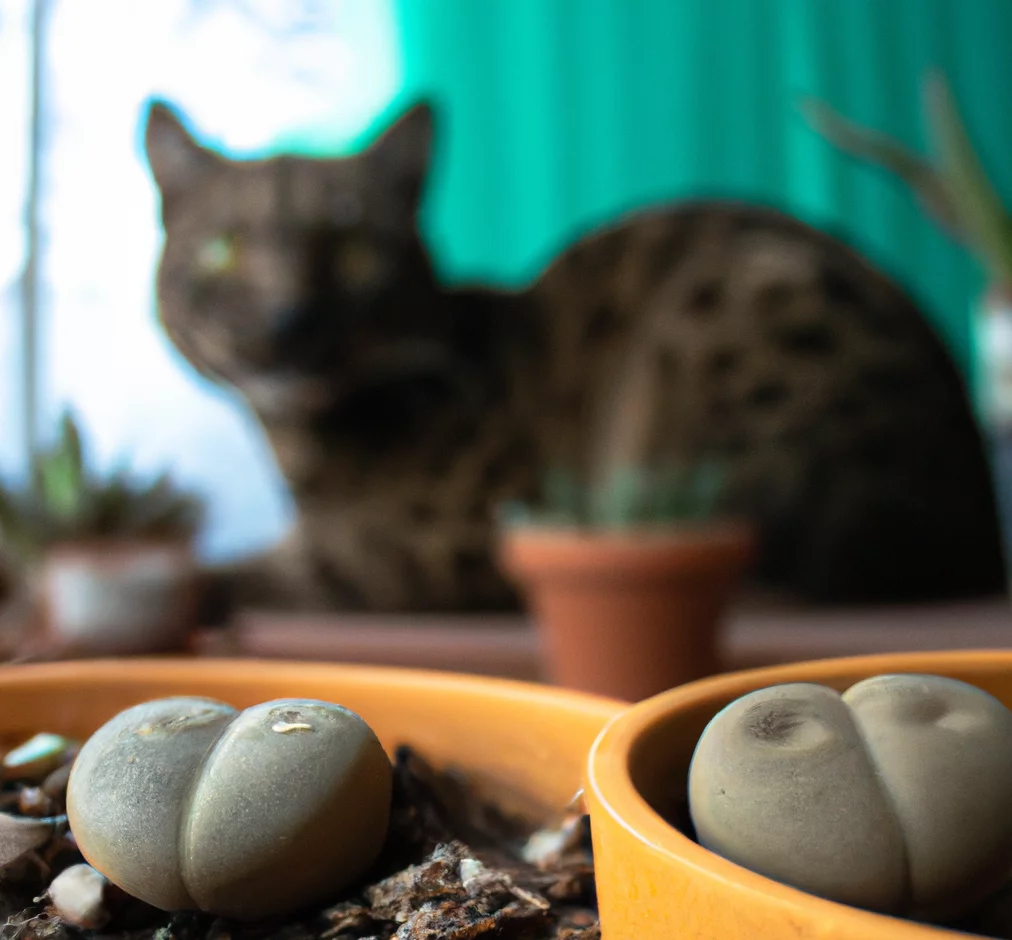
402,413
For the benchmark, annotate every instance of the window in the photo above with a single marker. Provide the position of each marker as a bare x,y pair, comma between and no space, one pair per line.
249,74
15,34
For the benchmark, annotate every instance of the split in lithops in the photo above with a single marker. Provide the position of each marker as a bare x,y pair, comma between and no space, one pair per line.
189,804
893,796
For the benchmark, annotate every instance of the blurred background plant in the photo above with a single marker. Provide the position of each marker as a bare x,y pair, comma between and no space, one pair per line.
958,193
66,501
685,493
954,189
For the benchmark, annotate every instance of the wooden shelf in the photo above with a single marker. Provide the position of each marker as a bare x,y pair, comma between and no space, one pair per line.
759,633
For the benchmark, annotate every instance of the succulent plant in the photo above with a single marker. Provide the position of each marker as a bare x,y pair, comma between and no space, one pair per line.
65,502
633,497
892,796
189,804
955,189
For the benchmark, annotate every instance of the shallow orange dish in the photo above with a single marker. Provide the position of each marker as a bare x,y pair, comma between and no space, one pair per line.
523,744
654,883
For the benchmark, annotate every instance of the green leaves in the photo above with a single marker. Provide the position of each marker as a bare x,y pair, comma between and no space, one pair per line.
956,192
926,182
981,211
633,497
60,473
65,503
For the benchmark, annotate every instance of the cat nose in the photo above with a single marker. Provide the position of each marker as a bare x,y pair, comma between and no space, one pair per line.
288,323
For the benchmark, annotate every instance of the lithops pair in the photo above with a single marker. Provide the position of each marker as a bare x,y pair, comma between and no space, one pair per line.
894,796
187,803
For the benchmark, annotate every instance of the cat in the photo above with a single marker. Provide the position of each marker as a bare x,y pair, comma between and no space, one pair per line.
402,413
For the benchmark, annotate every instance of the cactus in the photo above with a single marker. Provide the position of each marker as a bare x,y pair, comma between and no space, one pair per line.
955,189
633,497
64,502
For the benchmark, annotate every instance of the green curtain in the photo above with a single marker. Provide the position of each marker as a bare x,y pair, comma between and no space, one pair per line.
558,114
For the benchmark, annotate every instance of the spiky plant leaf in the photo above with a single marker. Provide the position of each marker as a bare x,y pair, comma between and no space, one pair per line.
514,513
70,444
564,498
58,473
15,533
631,496
708,485
626,501
60,486
62,503
981,209
159,508
925,181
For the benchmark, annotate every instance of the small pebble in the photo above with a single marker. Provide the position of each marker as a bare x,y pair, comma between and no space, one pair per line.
78,894
38,757
470,871
546,847
33,801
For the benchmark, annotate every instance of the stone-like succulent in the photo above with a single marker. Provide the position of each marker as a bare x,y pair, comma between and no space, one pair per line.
188,804
893,796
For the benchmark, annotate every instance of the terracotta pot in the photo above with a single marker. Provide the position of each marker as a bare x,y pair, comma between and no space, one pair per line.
116,597
654,883
628,615
524,745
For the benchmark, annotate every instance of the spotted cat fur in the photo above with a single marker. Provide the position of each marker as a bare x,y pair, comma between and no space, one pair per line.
403,412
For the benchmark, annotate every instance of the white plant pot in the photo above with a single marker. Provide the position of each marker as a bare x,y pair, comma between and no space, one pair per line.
119,597
992,323
992,333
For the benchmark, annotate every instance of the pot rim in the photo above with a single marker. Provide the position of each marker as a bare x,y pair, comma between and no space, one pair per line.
717,528
181,545
716,544
525,744
611,786
242,670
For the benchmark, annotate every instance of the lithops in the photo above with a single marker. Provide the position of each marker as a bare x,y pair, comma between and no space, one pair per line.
187,804
894,796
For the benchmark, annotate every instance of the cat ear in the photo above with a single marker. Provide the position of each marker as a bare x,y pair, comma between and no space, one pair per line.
402,152
175,158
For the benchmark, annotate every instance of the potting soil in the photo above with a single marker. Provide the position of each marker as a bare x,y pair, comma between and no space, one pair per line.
454,867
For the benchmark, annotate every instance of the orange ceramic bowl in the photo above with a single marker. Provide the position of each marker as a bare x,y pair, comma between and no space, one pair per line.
525,745
654,883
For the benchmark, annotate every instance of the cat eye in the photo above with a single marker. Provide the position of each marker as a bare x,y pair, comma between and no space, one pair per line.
218,255
358,265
